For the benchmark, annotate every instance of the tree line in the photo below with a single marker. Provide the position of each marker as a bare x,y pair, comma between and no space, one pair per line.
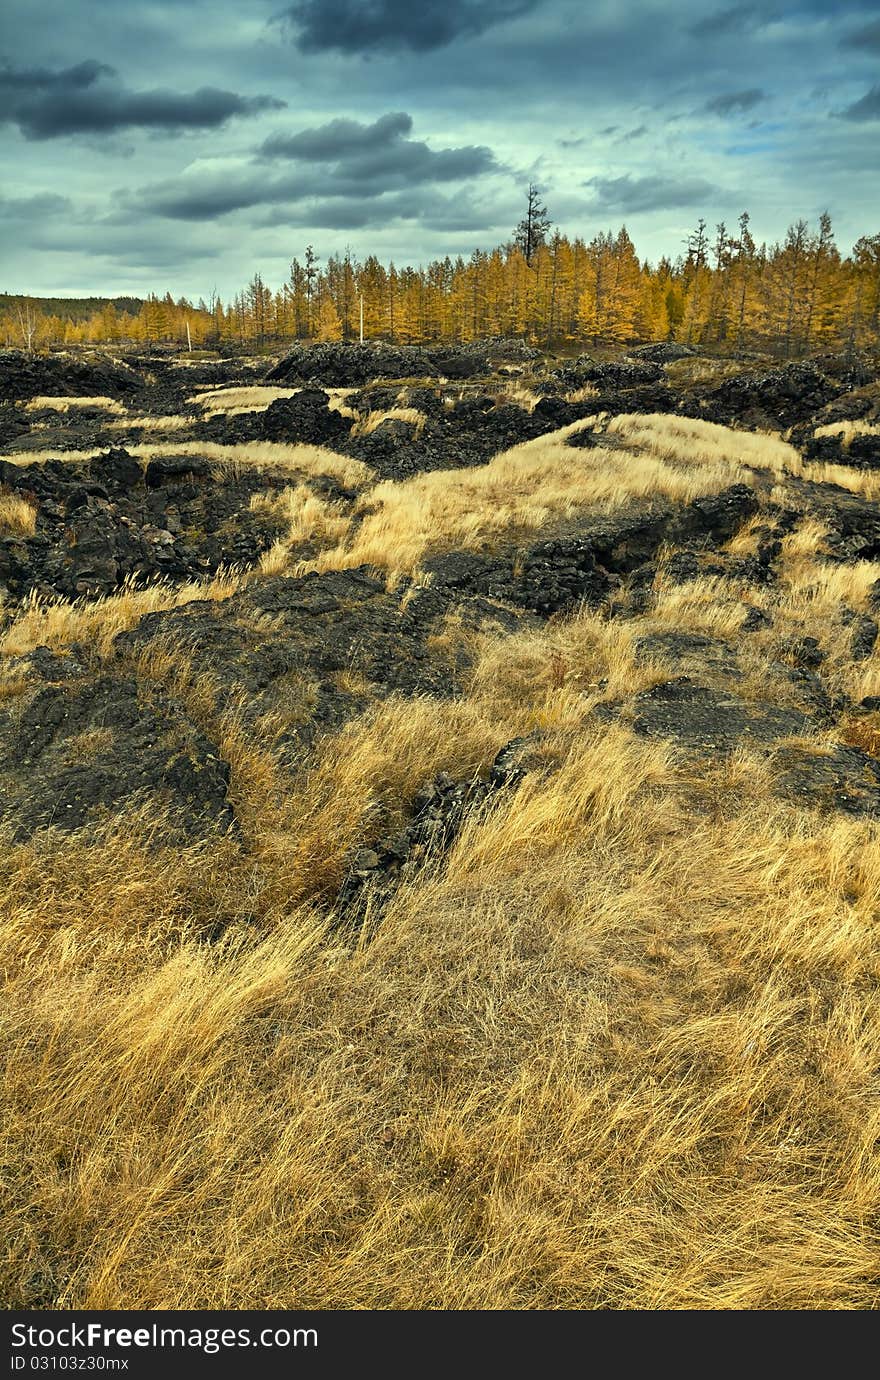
724,291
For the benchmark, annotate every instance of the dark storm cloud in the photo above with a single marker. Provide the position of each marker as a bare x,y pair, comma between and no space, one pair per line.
628,195
362,26
30,79
304,204
342,158
208,198
427,208
338,139
87,99
868,108
734,101
865,40
732,20
377,155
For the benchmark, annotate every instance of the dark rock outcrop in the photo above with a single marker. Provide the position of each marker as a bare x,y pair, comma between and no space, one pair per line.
664,352
111,520
97,745
840,778
776,399
24,376
352,365
861,451
306,417
586,563
337,641
698,716
614,374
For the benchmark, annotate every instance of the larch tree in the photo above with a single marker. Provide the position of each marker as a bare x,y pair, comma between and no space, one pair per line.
864,323
652,318
696,282
392,303
721,290
370,285
532,229
520,292
298,298
328,325
597,277
822,301
257,309
787,285
561,293
411,310
626,289
743,274
795,297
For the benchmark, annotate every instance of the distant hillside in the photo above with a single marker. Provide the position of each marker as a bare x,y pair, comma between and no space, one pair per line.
71,308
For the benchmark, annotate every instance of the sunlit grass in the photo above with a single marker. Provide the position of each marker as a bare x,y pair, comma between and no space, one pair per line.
616,1049
64,404
17,516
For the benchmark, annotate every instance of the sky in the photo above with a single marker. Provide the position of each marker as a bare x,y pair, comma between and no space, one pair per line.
183,145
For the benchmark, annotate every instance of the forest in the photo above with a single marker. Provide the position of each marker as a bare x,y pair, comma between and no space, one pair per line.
727,292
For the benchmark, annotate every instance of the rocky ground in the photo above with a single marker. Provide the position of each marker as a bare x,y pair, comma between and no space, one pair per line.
320,616
83,729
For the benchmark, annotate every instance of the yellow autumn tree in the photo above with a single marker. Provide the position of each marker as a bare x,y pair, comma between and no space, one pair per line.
328,324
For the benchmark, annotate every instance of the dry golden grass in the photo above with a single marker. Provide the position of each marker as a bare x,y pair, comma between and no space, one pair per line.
232,402
307,517
57,404
694,370
808,600
863,733
366,425
170,423
95,622
582,394
269,455
617,1053
520,490
710,605
806,541
688,440
692,441
617,1050
18,518
518,394
538,680
847,430
865,483
39,457
864,679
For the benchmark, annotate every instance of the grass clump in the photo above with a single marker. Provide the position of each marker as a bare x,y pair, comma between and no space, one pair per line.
519,491
63,404
18,518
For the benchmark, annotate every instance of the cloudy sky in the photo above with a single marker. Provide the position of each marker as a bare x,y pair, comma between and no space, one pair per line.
182,144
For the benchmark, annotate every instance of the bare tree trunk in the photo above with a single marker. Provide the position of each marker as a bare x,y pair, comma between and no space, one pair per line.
27,320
